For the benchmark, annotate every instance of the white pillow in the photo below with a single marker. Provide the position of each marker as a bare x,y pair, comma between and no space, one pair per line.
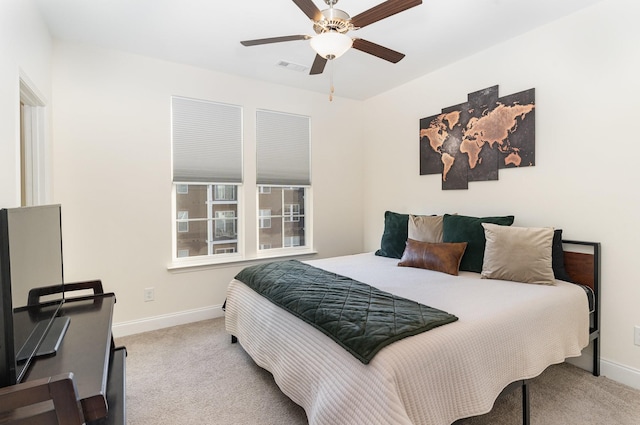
520,254
425,228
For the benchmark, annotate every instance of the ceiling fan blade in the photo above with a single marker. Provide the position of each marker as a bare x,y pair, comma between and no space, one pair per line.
274,40
318,65
382,11
377,50
309,9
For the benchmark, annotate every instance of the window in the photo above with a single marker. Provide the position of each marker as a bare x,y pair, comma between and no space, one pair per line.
265,218
225,225
225,193
208,191
183,223
287,219
283,177
291,212
225,250
292,241
211,226
207,175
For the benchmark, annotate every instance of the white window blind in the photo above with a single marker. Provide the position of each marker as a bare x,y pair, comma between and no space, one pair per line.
283,149
207,141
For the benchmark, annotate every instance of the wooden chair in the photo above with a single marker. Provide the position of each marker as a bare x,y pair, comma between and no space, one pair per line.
46,401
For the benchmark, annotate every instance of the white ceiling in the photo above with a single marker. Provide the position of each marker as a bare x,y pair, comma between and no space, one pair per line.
207,34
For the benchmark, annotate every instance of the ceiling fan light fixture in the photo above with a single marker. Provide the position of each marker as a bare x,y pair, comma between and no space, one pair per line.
331,44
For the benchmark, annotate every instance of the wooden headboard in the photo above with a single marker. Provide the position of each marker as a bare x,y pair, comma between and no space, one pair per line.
583,268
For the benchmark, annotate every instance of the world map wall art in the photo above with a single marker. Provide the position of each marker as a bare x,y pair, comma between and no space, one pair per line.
473,140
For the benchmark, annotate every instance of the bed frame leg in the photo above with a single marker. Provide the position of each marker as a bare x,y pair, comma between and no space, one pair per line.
596,356
525,403
234,339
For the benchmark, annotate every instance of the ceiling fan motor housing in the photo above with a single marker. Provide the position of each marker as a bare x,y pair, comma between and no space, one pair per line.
335,20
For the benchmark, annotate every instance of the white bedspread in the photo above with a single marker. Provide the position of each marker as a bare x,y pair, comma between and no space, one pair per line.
506,331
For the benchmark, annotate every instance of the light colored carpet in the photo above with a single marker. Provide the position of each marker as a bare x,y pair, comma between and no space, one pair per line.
192,374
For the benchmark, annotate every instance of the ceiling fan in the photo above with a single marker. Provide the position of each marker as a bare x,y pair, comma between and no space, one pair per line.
331,26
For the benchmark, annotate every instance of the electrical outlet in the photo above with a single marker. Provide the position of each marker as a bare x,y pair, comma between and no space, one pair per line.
636,335
149,294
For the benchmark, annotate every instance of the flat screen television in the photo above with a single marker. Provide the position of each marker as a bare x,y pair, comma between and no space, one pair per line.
30,257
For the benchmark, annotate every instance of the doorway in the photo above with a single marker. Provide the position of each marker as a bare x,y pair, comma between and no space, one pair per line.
33,167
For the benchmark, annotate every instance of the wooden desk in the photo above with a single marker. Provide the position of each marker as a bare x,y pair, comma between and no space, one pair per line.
87,351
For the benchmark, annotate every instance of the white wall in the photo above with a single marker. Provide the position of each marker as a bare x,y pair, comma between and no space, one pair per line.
113,175
112,164
584,69
25,52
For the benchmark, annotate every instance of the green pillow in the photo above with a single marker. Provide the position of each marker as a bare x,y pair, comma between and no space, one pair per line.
461,228
394,237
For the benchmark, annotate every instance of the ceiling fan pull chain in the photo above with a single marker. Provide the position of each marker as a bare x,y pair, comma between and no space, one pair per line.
331,89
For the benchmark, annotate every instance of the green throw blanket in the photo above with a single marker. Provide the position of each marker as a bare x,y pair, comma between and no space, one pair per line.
359,317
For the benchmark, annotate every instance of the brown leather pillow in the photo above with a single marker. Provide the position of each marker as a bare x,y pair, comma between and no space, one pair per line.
439,257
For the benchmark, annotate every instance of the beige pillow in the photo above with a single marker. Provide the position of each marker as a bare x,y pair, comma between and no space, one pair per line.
425,228
521,254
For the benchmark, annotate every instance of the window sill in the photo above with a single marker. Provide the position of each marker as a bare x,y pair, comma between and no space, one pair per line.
194,264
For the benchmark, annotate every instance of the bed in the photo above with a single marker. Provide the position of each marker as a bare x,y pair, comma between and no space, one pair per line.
506,333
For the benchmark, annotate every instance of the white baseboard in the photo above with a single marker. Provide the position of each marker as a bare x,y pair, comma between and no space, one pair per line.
166,321
615,371
620,373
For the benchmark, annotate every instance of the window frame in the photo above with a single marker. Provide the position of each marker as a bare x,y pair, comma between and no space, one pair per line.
285,250
247,219
244,255
211,219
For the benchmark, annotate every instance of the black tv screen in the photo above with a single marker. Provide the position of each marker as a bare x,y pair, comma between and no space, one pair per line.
30,257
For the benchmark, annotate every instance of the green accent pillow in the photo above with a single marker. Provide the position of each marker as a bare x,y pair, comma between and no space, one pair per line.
462,228
557,257
394,237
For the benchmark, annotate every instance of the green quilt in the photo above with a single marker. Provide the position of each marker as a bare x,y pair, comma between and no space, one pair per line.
359,317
